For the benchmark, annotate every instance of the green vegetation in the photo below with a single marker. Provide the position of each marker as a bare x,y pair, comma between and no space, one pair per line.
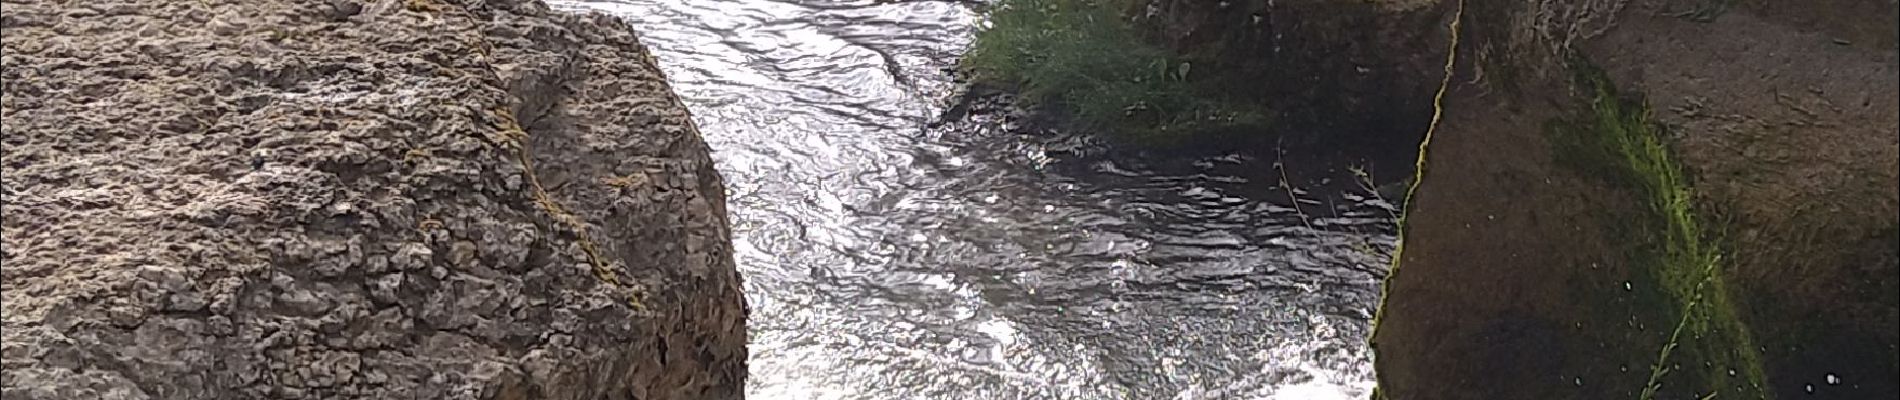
1085,57
1616,140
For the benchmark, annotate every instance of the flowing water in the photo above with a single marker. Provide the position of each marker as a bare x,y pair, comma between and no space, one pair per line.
889,256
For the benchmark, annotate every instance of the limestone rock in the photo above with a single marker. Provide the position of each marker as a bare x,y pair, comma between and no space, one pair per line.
326,199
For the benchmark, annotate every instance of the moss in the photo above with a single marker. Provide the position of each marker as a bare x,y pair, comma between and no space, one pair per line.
1411,185
1678,248
1087,59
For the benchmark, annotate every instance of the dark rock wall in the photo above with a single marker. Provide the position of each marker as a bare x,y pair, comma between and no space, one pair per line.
1514,270
1512,276
1789,128
1343,79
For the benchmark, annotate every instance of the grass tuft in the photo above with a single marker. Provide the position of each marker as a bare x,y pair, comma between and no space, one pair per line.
1086,58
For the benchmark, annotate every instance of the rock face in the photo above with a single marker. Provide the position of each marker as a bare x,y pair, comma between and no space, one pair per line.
317,199
1789,124
1534,268
1526,273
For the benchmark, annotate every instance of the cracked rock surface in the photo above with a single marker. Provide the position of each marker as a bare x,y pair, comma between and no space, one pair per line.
326,199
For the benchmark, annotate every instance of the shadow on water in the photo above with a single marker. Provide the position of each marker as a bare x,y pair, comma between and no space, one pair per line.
890,257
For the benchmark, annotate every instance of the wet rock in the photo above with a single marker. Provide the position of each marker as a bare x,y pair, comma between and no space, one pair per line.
1514,221
325,199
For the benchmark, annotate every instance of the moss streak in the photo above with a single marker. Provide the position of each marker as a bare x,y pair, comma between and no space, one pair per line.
1688,258
1418,175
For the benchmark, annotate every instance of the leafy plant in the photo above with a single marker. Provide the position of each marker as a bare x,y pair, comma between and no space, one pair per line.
1086,58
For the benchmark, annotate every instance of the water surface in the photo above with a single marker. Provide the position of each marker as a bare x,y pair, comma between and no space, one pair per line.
888,256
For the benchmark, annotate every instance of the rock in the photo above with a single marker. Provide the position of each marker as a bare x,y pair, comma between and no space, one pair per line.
1575,288
326,199
344,9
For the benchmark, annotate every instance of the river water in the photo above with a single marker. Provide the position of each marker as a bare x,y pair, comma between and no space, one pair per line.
890,256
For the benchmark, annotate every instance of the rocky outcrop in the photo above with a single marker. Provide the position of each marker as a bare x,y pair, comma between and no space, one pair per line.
1532,270
1624,198
1788,124
318,199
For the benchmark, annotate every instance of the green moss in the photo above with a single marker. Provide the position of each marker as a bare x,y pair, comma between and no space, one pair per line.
1617,141
1086,58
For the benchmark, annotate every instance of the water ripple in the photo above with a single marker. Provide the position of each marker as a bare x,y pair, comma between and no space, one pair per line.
890,257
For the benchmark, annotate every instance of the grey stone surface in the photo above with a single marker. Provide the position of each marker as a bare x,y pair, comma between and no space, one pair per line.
325,199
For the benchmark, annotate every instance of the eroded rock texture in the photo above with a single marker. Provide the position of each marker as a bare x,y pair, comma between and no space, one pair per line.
394,199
